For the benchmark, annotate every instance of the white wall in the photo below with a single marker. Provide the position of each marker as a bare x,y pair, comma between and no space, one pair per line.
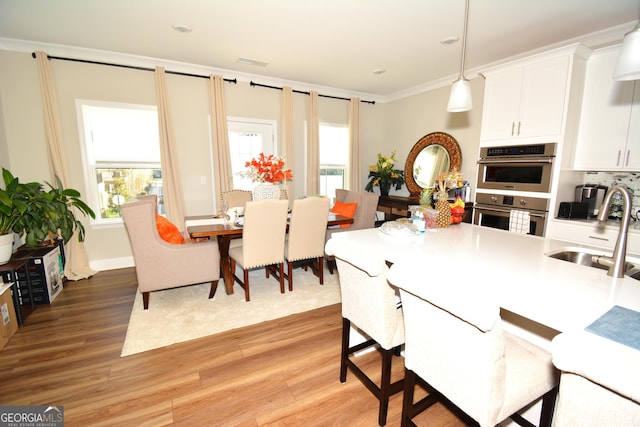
409,119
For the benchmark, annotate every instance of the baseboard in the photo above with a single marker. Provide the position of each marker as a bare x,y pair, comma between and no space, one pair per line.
112,263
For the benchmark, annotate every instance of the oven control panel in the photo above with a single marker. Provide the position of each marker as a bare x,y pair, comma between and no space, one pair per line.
515,202
521,151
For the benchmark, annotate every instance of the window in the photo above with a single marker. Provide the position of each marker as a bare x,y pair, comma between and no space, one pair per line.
247,139
334,158
122,155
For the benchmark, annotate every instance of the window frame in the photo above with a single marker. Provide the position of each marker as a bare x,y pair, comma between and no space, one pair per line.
261,126
90,165
336,166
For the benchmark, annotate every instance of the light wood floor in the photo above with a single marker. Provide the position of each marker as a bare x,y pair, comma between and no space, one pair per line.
283,372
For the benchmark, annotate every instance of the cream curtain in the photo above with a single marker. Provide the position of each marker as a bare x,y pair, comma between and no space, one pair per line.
171,182
76,262
288,151
355,177
313,145
223,173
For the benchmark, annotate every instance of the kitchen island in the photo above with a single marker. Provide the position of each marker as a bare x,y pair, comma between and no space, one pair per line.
540,292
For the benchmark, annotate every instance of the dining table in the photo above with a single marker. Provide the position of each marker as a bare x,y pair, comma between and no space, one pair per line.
213,227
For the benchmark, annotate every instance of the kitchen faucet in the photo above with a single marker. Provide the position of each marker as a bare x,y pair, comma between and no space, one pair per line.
616,263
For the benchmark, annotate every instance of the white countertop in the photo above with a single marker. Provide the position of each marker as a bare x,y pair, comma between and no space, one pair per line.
512,267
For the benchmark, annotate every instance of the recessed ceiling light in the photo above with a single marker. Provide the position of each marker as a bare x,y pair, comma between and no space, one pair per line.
379,71
449,40
248,61
181,28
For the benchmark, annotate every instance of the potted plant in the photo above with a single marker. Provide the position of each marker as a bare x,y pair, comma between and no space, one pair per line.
384,175
41,215
54,215
16,199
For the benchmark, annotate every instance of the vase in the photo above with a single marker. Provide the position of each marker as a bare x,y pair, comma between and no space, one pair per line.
384,188
6,247
266,190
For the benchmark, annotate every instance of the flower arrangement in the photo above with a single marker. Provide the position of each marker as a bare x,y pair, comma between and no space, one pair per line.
267,169
448,180
383,174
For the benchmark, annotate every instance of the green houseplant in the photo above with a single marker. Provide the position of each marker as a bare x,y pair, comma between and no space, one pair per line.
54,215
16,200
41,214
13,202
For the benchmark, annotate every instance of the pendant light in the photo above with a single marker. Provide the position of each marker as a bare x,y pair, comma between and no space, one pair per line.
460,98
628,66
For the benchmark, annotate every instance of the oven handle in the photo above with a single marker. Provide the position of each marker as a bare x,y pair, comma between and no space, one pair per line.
493,161
483,208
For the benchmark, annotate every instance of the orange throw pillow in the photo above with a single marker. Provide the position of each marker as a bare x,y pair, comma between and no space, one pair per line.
168,231
344,209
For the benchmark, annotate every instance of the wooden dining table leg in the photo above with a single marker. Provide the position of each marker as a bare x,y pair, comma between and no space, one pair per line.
225,262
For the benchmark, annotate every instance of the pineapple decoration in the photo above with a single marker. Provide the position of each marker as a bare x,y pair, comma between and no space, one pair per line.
443,219
425,197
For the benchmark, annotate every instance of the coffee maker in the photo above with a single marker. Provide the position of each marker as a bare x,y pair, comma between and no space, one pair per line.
592,195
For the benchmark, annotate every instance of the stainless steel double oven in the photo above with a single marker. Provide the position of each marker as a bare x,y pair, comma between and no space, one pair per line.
523,172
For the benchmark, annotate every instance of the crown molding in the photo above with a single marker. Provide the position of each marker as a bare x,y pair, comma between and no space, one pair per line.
596,40
81,53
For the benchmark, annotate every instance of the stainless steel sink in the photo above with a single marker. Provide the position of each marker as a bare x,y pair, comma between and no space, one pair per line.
589,259
634,273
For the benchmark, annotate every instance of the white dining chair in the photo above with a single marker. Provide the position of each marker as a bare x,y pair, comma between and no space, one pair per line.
263,236
456,346
305,240
370,305
236,198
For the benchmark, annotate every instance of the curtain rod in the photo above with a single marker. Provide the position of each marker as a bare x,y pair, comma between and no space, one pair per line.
252,83
133,67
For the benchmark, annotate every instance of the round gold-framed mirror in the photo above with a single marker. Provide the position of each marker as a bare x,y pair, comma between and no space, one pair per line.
433,154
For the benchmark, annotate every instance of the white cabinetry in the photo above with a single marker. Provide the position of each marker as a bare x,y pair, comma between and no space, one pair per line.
526,100
590,234
609,132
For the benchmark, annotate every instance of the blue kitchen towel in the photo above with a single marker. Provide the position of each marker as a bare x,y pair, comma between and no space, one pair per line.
618,324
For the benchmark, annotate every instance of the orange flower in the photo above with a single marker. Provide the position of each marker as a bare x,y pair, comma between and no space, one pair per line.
267,169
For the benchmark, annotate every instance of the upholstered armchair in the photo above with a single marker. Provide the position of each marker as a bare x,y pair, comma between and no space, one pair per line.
364,216
162,265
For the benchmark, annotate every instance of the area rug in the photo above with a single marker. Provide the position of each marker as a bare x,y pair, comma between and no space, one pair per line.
182,314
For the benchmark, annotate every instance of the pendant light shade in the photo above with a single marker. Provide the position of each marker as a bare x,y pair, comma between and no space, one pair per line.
460,98
628,66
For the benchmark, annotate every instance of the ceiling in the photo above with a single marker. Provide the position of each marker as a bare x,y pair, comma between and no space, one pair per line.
334,44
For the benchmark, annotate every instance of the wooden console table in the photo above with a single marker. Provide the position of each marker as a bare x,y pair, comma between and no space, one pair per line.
395,207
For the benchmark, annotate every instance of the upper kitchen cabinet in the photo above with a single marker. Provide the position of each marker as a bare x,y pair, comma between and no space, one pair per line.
529,98
609,132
